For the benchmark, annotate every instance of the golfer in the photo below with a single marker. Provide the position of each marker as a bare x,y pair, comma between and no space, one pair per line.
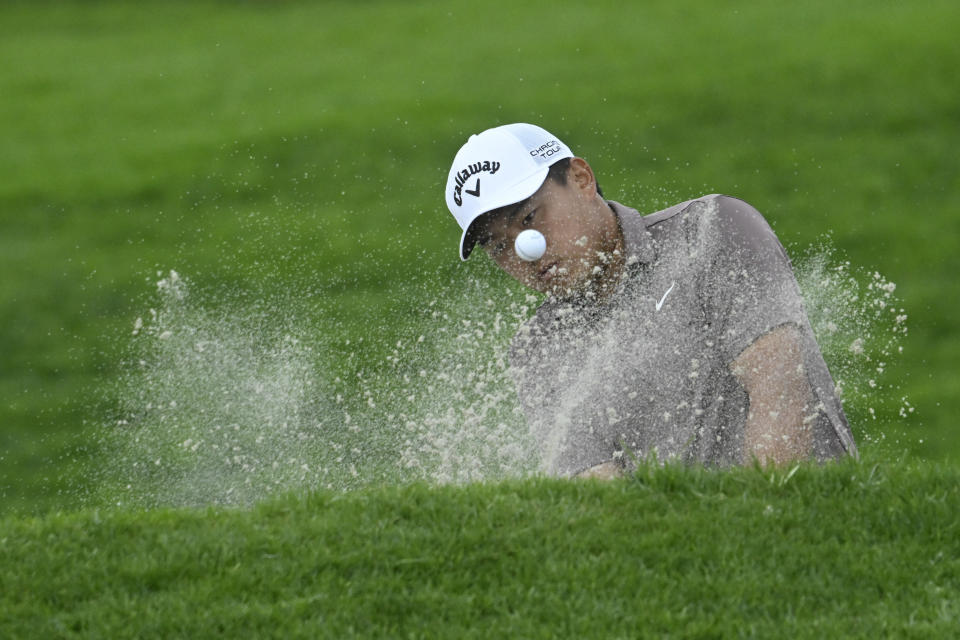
680,334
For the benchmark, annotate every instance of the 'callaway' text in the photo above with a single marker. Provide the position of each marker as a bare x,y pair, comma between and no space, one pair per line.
470,170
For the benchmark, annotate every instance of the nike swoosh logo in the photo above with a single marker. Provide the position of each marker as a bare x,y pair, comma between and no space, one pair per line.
660,304
476,189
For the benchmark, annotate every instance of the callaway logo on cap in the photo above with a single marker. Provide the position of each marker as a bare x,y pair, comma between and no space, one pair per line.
500,166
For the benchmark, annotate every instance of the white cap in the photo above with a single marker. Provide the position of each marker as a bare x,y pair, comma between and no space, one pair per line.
498,167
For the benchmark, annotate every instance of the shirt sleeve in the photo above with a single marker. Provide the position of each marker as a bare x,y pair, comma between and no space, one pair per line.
749,287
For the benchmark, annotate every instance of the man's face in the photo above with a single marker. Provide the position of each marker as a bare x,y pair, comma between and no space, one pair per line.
578,227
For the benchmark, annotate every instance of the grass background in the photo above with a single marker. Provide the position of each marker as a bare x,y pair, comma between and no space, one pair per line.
299,149
262,147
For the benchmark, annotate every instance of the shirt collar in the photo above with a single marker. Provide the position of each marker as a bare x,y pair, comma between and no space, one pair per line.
637,242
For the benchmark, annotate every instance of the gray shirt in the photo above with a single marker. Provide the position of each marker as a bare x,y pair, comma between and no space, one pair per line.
648,370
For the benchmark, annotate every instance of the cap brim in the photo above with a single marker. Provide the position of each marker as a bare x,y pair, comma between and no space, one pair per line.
512,195
468,239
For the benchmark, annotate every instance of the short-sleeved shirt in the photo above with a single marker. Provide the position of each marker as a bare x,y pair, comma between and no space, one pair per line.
648,370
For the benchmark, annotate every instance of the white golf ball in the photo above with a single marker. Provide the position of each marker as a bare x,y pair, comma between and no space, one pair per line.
530,245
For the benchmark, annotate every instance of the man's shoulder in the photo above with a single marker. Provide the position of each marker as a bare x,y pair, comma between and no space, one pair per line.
723,218
723,206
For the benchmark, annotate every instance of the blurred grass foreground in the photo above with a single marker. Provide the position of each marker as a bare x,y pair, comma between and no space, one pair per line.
286,159
849,550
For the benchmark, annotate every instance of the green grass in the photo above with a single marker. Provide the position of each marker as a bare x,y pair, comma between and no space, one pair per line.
288,158
301,148
849,550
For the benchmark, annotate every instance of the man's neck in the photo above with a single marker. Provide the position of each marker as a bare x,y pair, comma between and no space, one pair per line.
611,256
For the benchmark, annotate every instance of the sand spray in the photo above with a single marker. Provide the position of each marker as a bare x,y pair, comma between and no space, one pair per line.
228,404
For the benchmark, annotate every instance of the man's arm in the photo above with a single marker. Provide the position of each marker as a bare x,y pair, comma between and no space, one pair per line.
777,429
604,471
772,373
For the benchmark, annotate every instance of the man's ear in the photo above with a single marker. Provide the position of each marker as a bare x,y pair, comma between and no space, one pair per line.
581,176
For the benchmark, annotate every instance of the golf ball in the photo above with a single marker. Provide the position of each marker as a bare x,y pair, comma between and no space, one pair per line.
530,245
